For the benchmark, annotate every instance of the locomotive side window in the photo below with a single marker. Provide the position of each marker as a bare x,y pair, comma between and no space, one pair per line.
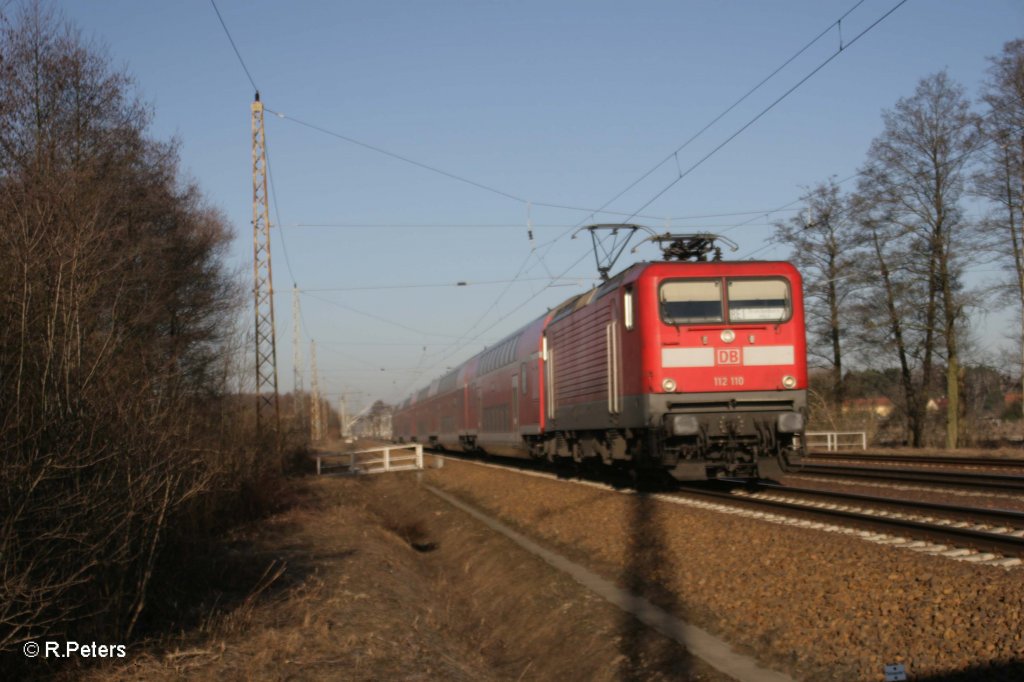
627,307
759,300
691,301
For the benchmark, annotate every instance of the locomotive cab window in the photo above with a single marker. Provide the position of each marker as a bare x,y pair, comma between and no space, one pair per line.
759,300
691,301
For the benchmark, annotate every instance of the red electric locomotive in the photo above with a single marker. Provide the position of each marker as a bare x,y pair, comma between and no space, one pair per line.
694,366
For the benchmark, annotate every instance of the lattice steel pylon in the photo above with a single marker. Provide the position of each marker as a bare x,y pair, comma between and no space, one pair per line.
263,281
315,409
298,387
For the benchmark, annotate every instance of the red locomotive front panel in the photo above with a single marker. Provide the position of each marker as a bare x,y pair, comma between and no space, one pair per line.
733,327
723,363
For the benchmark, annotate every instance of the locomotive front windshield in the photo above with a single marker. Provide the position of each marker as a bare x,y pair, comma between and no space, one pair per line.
758,300
746,300
691,301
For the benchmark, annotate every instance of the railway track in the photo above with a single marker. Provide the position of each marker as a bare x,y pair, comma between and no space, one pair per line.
968,533
959,479
986,530
915,460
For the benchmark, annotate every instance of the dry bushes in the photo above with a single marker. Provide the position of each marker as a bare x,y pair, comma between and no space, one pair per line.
115,309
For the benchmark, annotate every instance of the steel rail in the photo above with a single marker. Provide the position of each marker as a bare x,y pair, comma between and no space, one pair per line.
998,543
961,479
976,515
939,460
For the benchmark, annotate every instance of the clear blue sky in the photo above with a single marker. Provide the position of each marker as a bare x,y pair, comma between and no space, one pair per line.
559,102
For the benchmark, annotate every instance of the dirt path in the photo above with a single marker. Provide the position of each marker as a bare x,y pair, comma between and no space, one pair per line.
381,580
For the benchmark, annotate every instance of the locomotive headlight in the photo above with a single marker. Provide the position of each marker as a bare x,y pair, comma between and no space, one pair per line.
728,336
683,425
789,381
668,385
790,422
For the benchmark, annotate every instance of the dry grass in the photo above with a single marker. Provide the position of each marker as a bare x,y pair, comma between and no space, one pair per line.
377,579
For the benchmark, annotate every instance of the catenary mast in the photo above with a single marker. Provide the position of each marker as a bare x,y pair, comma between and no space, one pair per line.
267,410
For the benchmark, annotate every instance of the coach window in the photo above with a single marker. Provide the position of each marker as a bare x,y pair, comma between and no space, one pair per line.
759,300
627,307
691,301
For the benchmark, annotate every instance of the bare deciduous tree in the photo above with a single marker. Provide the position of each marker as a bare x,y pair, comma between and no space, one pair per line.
887,315
1001,179
113,315
914,179
821,239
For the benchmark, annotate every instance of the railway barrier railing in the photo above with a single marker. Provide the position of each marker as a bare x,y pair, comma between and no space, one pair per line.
378,460
834,440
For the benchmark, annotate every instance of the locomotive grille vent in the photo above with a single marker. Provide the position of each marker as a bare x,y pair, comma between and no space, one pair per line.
751,405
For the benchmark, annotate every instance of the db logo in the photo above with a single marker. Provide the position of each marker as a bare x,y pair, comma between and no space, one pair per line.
727,356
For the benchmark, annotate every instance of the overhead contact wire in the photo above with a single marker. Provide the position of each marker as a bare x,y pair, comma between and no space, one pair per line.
675,153
234,47
277,212
693,167
771,106
405,159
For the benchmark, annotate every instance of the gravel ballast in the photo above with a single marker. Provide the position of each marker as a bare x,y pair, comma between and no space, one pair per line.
821,606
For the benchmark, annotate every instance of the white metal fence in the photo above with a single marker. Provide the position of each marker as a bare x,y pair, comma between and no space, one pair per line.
836,440
372,460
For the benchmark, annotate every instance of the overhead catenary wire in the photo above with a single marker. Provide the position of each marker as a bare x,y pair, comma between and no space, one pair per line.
441,285
464,340
690,169
517,308
444,173
515,197
469,181
382,343
674,154
389,226
277,212
755,215
540,252
509,195
444,225
448,174
400,157
357,142
768,108
379,318
764,247
277,209
238,54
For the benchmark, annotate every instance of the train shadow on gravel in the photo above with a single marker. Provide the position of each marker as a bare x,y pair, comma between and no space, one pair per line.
642,648
648,566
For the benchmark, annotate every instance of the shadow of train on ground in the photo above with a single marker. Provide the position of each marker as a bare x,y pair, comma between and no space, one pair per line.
642,647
